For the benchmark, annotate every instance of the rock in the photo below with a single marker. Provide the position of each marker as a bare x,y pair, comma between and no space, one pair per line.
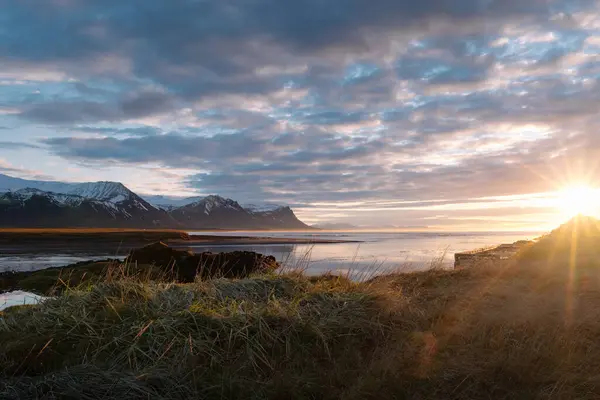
156,253
184,266
494,256
157,262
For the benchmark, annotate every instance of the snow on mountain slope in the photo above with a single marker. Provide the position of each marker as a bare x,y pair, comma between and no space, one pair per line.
111,192
171,203
211,203
104,191
23,195
262,207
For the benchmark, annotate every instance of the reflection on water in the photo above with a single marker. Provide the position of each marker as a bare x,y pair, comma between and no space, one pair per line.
26,262
378,252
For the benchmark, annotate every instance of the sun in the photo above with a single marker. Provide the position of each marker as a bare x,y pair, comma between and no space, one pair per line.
579,200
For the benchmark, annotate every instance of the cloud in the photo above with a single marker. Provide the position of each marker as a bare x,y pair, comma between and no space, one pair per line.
4,145
170,149
113,131
309,101
8,168
130,107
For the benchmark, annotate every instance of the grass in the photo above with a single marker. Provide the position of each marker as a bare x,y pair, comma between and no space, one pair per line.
507,333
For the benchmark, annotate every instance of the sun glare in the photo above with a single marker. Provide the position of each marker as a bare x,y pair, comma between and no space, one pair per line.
576,200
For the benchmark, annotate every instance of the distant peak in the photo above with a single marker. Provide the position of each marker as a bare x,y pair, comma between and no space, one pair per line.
264,207
214,197
104,190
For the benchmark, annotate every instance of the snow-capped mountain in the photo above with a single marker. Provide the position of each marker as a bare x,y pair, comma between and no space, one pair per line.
170,203
104,191
23,195
113,192
37,208
213,211
264,207
110,204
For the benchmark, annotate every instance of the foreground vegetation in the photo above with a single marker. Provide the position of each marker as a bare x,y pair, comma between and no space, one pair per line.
525,329
507,333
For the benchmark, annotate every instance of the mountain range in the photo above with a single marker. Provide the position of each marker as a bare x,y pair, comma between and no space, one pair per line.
45,204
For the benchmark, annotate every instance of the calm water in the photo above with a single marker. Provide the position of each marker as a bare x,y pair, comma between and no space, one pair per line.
380,251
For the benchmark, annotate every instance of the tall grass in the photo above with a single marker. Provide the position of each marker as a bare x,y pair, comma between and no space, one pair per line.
514,332
520,330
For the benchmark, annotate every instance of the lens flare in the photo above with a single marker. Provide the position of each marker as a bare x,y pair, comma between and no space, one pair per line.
579,200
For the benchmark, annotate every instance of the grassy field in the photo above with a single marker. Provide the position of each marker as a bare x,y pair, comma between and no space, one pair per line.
526,329
509,333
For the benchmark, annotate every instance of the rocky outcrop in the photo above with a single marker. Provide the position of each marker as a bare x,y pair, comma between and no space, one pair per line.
184,266
156,262
490,256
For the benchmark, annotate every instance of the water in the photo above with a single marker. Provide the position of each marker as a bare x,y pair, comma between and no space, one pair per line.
18,298
380,251
34,262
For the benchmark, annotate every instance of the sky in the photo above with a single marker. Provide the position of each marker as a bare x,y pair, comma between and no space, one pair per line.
456,114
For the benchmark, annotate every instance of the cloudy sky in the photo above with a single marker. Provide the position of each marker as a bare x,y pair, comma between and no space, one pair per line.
442,113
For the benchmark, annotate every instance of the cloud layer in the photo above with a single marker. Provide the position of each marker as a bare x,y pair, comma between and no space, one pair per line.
310,102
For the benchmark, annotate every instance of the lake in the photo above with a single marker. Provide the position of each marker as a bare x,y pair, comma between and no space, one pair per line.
380,251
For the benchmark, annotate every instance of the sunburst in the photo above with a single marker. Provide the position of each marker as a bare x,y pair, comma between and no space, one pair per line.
579,200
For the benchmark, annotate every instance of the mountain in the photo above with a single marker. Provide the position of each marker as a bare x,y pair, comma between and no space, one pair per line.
171,203
281,218
36,208
221,213
263,207
27,203
103,191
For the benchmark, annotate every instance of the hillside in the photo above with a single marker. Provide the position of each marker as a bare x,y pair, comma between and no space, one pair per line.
578,239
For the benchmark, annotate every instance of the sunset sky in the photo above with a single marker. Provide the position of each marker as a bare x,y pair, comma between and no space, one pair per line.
456,114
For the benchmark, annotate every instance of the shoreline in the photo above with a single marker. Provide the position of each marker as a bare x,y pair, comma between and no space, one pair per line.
109,241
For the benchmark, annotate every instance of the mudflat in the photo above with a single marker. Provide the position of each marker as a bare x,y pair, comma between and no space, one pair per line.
65,241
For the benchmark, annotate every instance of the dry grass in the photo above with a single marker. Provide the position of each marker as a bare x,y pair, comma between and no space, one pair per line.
518,331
